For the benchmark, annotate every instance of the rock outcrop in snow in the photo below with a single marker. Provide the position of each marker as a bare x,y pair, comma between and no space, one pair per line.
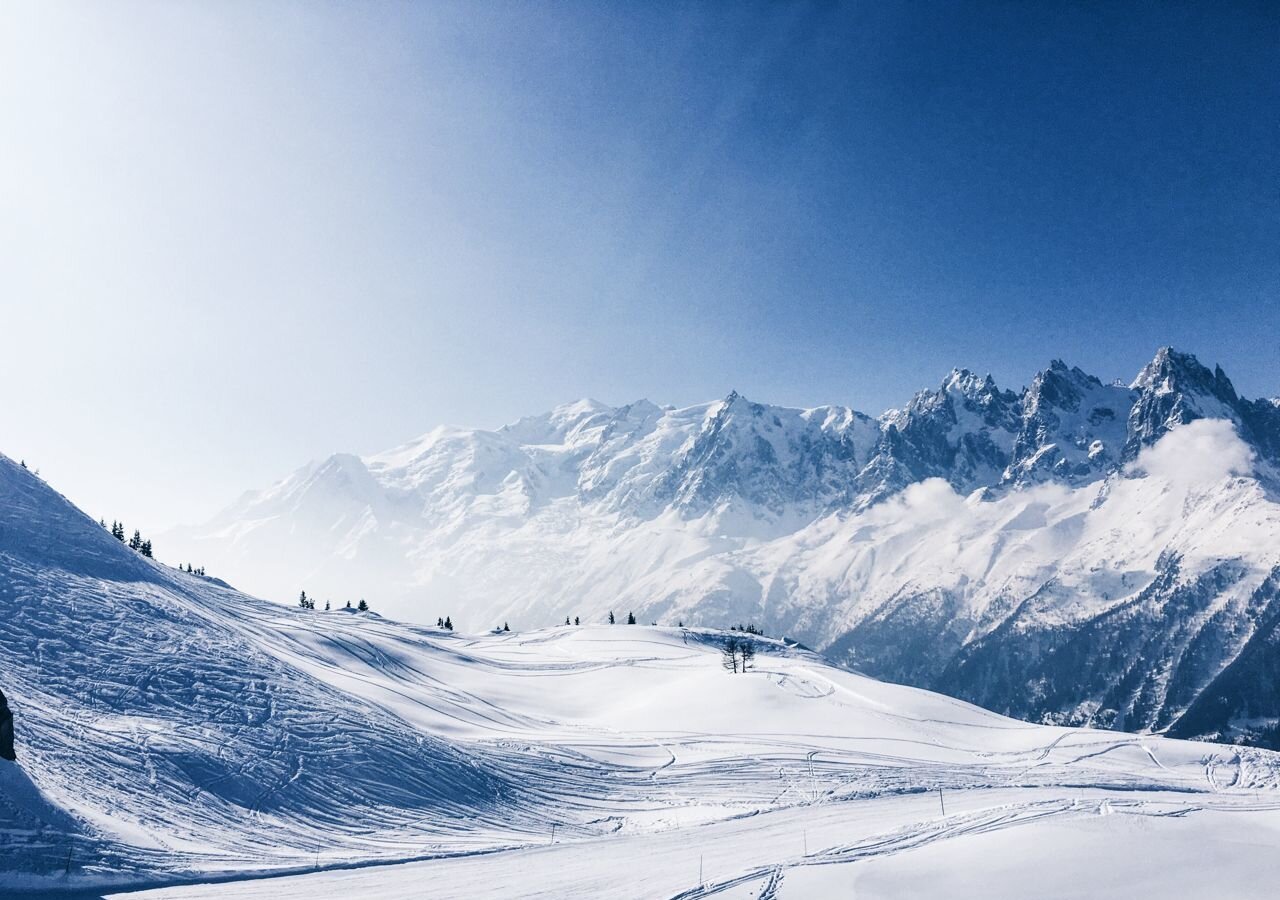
6,730
994,544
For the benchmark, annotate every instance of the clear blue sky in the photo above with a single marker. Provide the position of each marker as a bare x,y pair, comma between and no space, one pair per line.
235,236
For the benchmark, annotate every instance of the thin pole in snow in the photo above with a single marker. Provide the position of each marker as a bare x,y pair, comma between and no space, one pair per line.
553,831
700,871
806,841
942,802
69,849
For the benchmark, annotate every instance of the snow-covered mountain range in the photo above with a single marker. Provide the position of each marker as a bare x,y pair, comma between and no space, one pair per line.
170,729
1078,552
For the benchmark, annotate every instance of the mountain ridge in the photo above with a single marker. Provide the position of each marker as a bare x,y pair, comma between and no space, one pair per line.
900,543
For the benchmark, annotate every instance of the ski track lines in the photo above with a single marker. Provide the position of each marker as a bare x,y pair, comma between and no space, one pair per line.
754,852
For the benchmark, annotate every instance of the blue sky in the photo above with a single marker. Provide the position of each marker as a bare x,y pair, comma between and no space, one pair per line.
237,236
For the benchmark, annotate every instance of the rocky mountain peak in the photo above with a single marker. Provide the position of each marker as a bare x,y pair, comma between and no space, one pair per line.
1174,389
1072,427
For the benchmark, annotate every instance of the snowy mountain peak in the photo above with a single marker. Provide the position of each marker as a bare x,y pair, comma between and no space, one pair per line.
767,457
969,384
564,424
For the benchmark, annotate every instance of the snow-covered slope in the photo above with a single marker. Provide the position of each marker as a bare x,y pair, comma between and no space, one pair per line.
171,727
978,541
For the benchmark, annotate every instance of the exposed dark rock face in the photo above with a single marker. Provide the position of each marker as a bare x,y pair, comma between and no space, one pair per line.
6,730
1134,667
962,432
1175,388
1073,427
1243,702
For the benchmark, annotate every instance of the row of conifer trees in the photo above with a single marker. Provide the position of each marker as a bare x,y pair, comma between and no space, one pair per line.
305,602
135,543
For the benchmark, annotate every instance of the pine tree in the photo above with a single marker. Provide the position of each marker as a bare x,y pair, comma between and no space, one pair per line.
24,464
577,621
610,617
439,622
566,620
348,604
748,652
631,618
135,542
362,606
326,606
506,627
448,624
146,548
302,600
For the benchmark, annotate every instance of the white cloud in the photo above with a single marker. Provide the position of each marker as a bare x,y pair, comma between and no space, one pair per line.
1203,452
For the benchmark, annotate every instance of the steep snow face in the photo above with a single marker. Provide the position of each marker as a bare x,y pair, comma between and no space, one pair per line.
915,545
768,459
152,727
170,727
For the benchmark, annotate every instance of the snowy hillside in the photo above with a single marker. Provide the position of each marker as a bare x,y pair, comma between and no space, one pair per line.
171,728
981,542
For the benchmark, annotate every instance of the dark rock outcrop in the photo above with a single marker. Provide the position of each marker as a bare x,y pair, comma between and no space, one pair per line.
6,730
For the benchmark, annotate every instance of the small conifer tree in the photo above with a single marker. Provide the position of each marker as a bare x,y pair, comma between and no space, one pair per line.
362,605
631,618
610,617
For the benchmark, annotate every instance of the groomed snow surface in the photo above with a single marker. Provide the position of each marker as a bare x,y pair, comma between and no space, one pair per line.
177,735
653,763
